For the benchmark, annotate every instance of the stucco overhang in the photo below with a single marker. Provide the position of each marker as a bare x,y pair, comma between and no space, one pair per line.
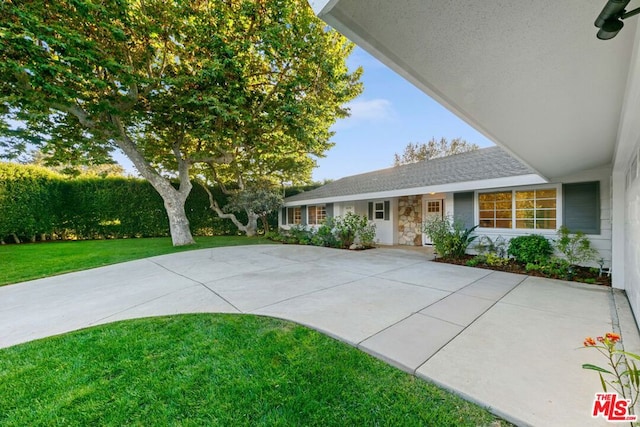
530,75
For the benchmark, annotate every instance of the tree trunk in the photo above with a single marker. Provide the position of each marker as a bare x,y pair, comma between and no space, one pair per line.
178,221
252,224
173,198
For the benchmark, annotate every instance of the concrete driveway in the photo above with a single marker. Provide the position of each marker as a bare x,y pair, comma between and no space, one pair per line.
506,341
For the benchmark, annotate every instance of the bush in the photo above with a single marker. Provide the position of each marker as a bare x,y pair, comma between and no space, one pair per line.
575,247
336,232
450,238
37,203
531,249
487,246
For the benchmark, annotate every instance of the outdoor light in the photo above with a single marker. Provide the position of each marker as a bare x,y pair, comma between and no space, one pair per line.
610,19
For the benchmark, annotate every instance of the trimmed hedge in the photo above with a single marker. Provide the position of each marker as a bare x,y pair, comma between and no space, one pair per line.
38,204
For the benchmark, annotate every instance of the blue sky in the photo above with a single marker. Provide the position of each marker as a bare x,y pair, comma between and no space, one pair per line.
388,115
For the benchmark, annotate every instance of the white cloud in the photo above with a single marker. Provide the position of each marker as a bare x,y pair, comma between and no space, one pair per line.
363,111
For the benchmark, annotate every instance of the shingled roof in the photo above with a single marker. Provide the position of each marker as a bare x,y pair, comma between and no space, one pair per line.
477,165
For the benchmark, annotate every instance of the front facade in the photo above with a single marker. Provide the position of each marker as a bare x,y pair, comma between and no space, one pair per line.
532,77
502,197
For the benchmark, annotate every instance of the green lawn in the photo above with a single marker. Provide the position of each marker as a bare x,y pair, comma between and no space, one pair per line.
29,261
225,370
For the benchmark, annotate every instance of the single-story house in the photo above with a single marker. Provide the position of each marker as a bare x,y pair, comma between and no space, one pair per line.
486,187
534,78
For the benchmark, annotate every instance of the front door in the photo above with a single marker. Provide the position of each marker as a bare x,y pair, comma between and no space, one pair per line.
432,209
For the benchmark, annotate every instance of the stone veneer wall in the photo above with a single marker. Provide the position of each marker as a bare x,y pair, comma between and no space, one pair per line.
410,220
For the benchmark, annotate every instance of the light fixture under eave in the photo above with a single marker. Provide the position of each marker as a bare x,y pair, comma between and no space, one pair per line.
610,19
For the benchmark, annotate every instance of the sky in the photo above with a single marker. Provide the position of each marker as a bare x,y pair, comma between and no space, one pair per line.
389,114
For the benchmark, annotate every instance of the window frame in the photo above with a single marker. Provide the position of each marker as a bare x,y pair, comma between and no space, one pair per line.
293,215
558,217
316,209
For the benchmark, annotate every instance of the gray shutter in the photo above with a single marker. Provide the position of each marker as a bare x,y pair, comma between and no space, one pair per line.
581,207
303,215
463,209
329,210
387,208
283,221
370,211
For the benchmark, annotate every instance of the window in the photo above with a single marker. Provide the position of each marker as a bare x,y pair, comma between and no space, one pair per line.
496,209
379,210
523,209
294,216
536,209
316,214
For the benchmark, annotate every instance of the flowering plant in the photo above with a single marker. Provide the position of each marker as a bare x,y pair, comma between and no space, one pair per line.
624,376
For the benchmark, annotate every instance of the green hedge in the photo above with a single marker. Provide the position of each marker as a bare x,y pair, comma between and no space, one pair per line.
36,203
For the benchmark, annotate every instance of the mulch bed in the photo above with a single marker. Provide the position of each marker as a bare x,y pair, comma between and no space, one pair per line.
582,274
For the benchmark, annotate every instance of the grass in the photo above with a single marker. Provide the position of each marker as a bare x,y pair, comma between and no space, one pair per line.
215,370
30,261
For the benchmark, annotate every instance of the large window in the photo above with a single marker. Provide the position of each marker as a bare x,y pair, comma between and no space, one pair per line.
496,209
522,209
316,214
536,209
294,216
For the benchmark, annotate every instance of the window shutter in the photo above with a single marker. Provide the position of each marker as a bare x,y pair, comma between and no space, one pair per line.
387,208
463,208
328,208
370,211
581,207
303,215
284,216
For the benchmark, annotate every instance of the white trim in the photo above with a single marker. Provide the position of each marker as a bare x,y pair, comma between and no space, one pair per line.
513,229
513,181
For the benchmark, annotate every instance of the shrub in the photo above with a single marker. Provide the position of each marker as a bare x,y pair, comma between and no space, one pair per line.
575,247
450,238
497,247
553,267
530,249
325,235
353,228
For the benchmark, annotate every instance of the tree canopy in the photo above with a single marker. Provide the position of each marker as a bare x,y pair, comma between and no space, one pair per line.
227,89
433,149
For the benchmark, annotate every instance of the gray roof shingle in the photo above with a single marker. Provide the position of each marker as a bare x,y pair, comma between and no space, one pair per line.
482,164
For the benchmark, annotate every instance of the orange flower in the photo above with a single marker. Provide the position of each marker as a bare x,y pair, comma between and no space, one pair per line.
600,339
613,337
589,342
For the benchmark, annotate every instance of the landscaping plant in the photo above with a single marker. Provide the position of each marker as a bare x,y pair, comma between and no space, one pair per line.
575,247
530,249
450,238
622,374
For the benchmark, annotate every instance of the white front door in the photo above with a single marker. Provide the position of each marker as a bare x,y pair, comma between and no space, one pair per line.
432,209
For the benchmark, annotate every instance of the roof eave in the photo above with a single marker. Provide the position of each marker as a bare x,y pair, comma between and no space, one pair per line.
511,181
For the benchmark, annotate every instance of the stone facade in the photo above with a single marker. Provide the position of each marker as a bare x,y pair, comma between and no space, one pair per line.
410,220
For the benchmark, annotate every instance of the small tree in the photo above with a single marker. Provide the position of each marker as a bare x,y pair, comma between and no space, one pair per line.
257,202
575,247
433,149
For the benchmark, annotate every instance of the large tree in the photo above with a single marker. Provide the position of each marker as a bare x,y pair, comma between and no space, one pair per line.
433,149
246,87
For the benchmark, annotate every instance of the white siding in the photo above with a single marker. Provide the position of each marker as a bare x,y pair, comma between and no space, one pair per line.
632,235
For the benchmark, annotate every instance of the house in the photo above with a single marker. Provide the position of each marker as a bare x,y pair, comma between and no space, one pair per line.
486,187
533,78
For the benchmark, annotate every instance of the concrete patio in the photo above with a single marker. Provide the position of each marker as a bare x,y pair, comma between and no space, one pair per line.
509,342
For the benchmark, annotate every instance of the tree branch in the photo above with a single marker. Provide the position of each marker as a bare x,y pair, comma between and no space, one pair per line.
213,204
